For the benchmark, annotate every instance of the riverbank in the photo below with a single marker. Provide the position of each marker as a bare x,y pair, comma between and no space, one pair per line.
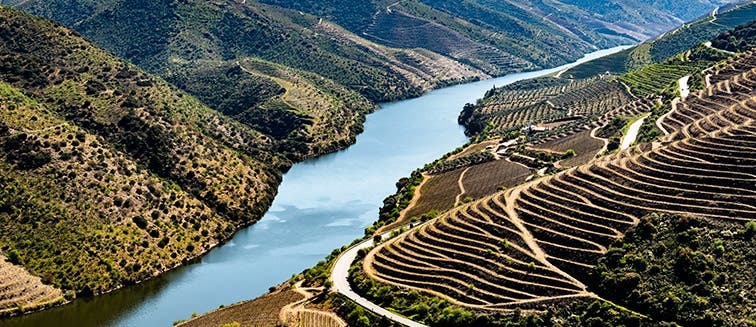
469,96
322,203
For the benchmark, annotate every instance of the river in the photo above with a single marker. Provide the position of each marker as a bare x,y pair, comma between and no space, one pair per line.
322,204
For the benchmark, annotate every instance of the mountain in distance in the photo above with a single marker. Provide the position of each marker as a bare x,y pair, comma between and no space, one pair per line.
668,44
536,33
248,59
122,175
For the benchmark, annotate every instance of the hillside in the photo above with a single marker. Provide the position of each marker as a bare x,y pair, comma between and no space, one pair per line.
110,175
551,99
382,54
518,35
537,246
668,44
202,47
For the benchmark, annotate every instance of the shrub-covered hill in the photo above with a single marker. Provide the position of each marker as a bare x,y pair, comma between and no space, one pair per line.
498,36
741,38
683,270
413,46
109,175
156,35
198,45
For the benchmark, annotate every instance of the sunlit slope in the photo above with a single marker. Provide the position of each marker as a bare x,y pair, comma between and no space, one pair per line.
535,244
110,175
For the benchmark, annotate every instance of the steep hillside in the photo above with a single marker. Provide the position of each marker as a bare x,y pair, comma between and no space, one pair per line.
109,175
199,45
536,246
740,39
698,257
21,291
510,108
522,34
683,38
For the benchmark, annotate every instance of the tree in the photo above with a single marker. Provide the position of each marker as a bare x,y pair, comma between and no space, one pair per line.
14,257
569,154
750,228
363,321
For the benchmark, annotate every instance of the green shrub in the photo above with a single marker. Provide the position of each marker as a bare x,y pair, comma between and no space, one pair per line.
14,257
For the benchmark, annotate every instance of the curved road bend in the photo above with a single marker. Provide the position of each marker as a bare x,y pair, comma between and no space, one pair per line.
632,133
340,274
684,92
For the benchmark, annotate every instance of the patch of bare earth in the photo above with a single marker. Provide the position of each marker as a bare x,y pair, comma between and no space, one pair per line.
585,146
438,193
491,176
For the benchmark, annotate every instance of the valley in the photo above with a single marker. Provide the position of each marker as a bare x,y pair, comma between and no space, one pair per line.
131,173
302,225
594,184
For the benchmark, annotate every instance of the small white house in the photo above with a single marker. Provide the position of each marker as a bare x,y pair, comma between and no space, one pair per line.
534,129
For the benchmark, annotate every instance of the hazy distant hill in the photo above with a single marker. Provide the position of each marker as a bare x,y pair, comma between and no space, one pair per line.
657,50
485,33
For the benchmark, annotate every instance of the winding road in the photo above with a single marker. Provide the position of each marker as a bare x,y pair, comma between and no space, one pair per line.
340,274
682,83
632,133
684,90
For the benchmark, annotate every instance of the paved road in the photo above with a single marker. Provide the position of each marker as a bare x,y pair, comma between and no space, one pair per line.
684,90
339,277
632,133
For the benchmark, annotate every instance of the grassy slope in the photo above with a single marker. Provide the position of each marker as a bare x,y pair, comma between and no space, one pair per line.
119,176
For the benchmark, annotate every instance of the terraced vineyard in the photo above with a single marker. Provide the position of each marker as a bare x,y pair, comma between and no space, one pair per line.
437,193
487,178
263,311
669,44
533,245
510,108
585,146
21,291
654,77
313,318
401,30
